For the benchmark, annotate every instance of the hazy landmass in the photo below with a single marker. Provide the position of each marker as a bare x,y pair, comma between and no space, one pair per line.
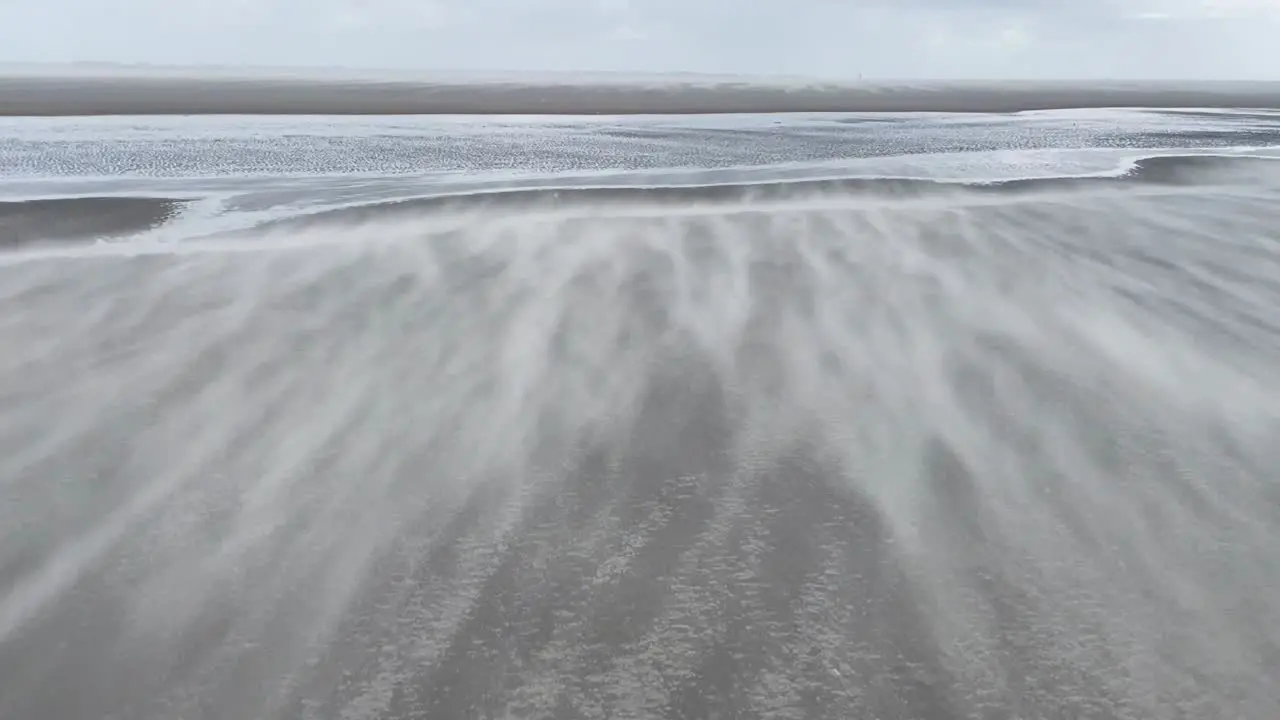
125,90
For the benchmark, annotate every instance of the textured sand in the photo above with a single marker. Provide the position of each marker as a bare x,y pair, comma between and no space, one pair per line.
704,453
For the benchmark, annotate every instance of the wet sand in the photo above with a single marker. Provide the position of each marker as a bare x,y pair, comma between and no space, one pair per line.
27,222
192,94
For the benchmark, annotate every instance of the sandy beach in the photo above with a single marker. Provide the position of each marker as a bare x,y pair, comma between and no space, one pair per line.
725,417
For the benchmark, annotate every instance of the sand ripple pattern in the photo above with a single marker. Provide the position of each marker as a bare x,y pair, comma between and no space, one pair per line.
976,455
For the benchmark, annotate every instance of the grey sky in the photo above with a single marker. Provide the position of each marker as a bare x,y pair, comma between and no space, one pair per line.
878,38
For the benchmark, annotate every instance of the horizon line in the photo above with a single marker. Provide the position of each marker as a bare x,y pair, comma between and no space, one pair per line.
323,72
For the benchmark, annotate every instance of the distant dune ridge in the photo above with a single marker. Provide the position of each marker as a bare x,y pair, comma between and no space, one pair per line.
109,90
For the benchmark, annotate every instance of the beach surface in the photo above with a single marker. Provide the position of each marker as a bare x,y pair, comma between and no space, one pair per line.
714,417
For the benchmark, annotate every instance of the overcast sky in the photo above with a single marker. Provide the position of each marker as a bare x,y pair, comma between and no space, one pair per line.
876,38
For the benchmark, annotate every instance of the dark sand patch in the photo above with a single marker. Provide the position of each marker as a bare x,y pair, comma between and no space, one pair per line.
68,95
30,222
